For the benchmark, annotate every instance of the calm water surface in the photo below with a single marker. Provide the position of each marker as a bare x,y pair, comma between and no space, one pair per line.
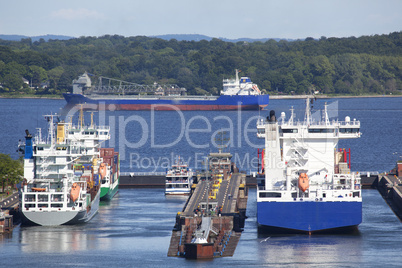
134,228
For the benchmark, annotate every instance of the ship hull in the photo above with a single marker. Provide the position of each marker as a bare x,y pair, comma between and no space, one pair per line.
107,193
308,217
177,192
222,103
55,218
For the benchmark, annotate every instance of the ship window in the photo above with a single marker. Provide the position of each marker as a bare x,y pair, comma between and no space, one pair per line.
29,205
30,198
57,205
356,194
43,205
349,130
320,130
43,198
270,194
57,197
292,130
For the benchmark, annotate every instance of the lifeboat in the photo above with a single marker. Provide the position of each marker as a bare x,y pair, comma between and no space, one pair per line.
36,189
102,170
303,182
75,192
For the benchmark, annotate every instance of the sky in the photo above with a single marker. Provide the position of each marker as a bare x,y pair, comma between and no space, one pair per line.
232,19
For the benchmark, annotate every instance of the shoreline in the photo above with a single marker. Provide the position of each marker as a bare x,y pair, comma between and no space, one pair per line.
284,97
32,97
271,97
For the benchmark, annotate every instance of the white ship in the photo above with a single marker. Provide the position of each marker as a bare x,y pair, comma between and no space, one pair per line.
179,179
61,173
308,186
242,86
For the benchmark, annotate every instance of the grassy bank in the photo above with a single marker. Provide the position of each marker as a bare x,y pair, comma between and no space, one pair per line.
31,96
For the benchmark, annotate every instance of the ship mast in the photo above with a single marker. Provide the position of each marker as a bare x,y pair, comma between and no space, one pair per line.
81,118
308,111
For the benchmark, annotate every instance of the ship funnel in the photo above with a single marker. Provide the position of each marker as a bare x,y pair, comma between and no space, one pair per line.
27,133
28,146
272,117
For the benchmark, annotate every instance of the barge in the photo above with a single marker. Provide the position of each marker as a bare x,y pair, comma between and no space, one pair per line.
236,94
212,220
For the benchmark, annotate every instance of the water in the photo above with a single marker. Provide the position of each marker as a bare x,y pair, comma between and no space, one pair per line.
150,142
134,228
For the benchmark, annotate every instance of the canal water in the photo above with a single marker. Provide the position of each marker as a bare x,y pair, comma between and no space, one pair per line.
134,228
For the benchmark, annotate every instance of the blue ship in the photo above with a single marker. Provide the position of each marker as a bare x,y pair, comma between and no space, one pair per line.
306,186
236,94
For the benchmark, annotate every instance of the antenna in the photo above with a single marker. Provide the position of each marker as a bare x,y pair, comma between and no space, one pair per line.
308,111
92,118
221,138
81,118
292,116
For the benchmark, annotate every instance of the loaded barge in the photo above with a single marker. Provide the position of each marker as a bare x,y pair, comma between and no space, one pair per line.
212,220
236,94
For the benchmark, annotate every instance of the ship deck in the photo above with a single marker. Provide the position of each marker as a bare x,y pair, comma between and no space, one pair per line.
227,217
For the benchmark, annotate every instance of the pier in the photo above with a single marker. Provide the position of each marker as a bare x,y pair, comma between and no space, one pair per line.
390,188
224,217
9,213
212,220
388,185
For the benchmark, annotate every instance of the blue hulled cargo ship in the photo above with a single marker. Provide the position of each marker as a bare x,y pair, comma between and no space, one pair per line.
236,94
307,184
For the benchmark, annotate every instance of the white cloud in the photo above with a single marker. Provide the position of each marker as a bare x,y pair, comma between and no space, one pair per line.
76,14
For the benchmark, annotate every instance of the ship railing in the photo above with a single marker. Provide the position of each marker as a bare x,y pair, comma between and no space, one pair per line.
274,188
94,127
161,97
333,123
177,181
44,200
133,174
349,123
369,173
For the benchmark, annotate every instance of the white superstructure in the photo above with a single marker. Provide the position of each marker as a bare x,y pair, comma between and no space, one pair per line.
242,86
302,164
68,156
179,179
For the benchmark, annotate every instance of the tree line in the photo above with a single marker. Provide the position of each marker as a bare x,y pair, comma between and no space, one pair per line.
11,172
363,65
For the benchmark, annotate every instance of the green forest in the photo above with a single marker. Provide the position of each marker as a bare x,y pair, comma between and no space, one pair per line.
347,66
